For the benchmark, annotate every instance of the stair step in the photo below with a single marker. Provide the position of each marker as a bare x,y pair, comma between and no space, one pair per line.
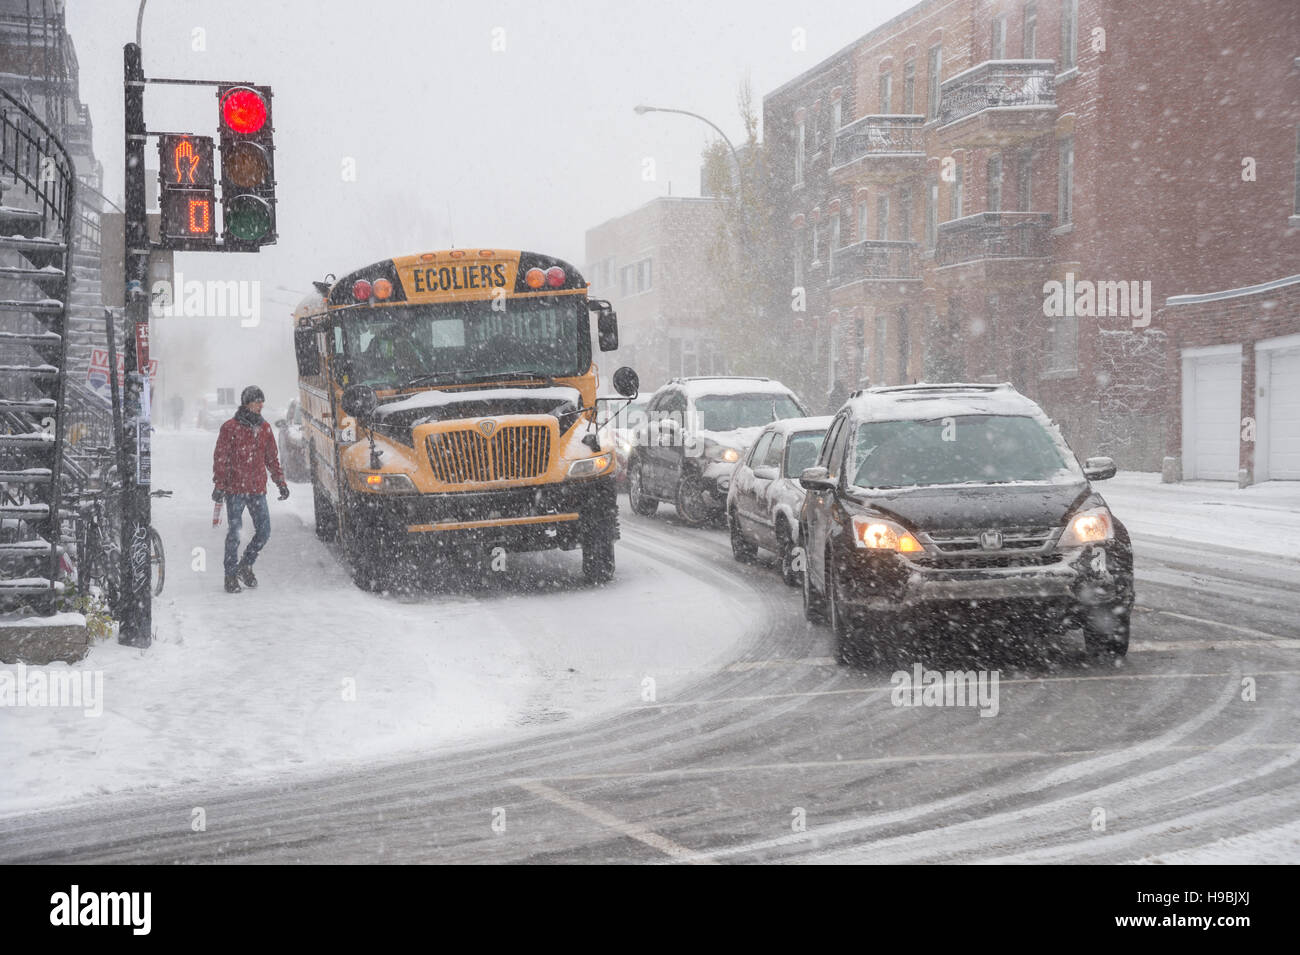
26,476
48,274
32,338
31,548
31,439
25,512
36,371
44,306
30,405
22,243
18,214
30,585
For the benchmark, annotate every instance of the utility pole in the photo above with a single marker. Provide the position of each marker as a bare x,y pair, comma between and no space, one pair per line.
137,611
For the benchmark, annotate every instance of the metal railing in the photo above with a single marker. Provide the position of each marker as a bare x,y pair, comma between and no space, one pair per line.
998,83
876,260
994,235
35,158
879,136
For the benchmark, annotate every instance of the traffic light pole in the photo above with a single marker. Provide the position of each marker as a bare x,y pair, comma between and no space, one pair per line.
136,614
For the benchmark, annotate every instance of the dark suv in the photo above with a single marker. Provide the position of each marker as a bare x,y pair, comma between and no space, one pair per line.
935,505
696,431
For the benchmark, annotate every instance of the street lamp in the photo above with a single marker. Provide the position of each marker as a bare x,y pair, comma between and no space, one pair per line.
740,181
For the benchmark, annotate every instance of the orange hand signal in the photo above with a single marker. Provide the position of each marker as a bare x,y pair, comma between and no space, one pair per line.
185,151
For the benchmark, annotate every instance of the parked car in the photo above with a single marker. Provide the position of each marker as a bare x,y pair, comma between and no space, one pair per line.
620,419
765,498
934,505
216,409
695,433
292,444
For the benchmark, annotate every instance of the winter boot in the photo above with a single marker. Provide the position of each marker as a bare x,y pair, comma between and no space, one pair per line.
246,575
232,584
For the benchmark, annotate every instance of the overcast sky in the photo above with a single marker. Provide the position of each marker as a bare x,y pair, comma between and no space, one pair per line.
527,147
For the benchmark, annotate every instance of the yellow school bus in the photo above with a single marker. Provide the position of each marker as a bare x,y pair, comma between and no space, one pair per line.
449,407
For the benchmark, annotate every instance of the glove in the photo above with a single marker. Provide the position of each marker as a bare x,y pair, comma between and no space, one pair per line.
218,495
284,491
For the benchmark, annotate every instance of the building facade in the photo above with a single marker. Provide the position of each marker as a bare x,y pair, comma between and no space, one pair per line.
1015,189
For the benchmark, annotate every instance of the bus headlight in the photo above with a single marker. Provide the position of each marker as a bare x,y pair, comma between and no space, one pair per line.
388,483
589,466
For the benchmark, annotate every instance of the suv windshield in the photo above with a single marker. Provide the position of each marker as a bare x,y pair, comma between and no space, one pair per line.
460,340
729,412
966,449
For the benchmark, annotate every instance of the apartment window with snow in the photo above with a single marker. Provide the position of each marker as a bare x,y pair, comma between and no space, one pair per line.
816,241
882,217
835,240
837,114
1065,186
995,183
798,154
1025,181
954,194
862,221
909,87
931,214
627,279
1295,208
833,354
905,213
1029,46
886,88
798,264
644,276
1069,33
1063,344
878,347
933,65
904,345
998,42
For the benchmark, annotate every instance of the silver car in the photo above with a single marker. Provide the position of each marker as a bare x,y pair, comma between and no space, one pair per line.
765,497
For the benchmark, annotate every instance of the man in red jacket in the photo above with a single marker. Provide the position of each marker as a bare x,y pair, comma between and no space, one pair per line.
245,452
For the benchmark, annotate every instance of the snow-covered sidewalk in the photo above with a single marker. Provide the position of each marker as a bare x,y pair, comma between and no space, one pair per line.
1264,518
307,670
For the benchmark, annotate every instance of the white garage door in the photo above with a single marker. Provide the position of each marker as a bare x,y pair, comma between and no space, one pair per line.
1212,416
1284,415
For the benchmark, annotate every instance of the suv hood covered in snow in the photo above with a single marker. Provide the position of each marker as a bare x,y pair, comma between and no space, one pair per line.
978,506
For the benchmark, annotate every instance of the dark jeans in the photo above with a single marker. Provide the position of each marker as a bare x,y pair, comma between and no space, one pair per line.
256,504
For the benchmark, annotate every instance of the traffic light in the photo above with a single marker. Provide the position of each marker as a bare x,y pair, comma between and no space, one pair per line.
188,191
247,166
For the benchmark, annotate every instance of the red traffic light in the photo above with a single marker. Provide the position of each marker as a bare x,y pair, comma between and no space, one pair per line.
243,110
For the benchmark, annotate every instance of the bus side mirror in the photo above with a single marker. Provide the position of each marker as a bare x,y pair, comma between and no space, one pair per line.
359,401
626,382
304,349
607,328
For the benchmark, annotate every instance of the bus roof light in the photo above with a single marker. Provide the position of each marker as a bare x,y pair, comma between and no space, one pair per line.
555,276
383,288
361,290
535,278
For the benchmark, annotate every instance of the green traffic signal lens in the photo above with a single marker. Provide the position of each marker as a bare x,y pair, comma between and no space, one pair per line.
248,217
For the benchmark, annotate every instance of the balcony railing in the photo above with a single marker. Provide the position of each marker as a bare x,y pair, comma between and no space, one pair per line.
998,84
876,260
994,235
879,136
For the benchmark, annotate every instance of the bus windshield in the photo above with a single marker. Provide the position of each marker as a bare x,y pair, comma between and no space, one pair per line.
461,341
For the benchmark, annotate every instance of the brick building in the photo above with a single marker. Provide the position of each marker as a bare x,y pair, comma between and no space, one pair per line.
652,264
984,150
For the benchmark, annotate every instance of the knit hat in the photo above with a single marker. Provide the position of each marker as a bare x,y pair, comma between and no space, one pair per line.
250,394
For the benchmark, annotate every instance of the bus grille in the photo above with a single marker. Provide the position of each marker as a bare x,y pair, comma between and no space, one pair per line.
513,453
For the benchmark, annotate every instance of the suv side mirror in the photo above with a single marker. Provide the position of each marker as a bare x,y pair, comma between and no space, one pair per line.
1098,469
304,350
816,479
765,472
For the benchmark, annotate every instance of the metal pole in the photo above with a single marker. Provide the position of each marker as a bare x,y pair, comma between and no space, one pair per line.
137,625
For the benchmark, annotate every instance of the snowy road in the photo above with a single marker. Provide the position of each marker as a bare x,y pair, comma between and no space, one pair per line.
1161,758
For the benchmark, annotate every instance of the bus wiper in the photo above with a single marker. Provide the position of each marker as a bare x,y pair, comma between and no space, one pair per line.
512,376
436,376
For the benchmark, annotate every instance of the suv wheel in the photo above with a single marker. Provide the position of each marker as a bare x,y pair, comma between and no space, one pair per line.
1105,632
844,647
690,505
814,605
741,549
786,552
641,503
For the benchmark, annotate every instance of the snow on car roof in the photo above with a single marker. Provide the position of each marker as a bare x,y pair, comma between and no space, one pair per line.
435,398
696,387
791,425
927,402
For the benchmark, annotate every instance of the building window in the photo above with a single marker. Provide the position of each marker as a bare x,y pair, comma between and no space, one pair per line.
859,351
837,115
1063,344
954,194
905,213
933,65
627,279
835,241
878,347
833,354
995,183
816,241
1025,181
1069,33
1030,46
998,42
904,345
1295,209
886,88
882,216
644,276
931,214
862,221
798,264
816,130
798,154
909,87
1065,189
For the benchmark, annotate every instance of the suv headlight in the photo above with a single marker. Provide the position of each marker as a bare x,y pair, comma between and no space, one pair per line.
1088,527
388,483
720,452
876,533
589,466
